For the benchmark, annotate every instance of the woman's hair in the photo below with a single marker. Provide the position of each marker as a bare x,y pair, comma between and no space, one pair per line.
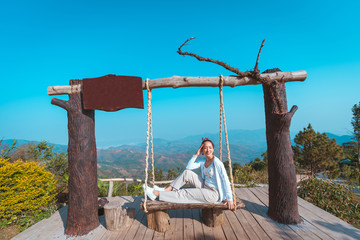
207,140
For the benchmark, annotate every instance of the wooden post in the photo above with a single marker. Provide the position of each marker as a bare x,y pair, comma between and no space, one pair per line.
83,210
158,220
283,206
212,217
116,217
111,184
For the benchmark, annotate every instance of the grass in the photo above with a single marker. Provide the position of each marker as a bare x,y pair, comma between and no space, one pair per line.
9,232
356,197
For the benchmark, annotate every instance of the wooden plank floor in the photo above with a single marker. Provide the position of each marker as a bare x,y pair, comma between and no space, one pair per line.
251,222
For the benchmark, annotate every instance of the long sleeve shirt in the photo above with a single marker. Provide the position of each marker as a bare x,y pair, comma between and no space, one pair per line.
222,179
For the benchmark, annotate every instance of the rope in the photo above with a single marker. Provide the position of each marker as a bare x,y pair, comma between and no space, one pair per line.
221,114
152,146
223,120
151,132
149,127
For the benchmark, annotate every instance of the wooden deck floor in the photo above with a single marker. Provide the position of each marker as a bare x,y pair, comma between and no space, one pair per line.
251,222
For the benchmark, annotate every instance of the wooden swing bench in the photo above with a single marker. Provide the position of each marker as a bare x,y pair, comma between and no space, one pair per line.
158,219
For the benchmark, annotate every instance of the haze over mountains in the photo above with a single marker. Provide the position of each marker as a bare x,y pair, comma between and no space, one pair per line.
129,160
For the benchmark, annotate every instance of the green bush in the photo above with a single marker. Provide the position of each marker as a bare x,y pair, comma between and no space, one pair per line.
332,197
350,174
135,189
103,188
120,189
26,191
247,175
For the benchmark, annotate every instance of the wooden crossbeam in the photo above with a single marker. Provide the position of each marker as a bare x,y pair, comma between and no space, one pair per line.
178,81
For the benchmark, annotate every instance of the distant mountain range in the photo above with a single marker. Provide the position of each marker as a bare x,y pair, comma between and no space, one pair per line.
129,160
19,142
341,139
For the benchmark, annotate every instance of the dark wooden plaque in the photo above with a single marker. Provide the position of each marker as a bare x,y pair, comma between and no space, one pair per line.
112,93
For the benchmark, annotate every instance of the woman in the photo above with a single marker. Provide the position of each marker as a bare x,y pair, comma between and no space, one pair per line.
212,187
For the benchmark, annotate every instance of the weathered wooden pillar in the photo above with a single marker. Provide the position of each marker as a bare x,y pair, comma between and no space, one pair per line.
158,220
283,206
212,217
83,211
117,217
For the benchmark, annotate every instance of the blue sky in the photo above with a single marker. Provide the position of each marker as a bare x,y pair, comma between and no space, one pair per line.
47,43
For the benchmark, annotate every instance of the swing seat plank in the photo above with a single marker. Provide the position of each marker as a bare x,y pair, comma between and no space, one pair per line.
160,205
159,220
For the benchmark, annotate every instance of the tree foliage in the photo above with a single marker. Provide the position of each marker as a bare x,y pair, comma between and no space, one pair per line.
355,122
350,174
350,151
42,153
260,164
250,174
174,173
6,151
159,174
316,152
58,164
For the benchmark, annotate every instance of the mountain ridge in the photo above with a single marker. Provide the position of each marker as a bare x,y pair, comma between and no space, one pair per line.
128,160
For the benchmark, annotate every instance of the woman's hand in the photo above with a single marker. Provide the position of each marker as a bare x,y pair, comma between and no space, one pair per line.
230,204
199,151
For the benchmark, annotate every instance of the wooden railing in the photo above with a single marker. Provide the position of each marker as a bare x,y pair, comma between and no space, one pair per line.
131,180
127,180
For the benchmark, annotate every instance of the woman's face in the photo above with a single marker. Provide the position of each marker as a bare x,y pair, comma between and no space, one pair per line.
208,149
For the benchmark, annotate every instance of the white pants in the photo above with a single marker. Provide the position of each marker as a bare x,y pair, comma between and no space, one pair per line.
199,193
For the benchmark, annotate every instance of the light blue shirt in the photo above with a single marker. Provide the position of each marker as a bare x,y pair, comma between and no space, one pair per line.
221,177
209,174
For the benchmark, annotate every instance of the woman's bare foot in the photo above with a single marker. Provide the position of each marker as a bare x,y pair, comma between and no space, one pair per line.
169,189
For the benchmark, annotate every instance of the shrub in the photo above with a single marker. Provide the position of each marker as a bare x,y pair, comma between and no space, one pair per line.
258,164
174,173
135,189
247,175
332,197
120,189
26,189
103,188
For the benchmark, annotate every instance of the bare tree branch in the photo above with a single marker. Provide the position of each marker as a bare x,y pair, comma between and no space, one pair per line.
257,60
179,49
255,74
226,66
293,110
61,103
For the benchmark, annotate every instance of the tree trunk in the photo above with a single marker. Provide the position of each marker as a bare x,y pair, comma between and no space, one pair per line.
283,206
83,211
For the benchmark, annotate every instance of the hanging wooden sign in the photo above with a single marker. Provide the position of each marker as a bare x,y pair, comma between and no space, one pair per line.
112,93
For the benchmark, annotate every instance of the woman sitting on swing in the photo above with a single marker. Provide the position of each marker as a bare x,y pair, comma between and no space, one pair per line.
212,186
